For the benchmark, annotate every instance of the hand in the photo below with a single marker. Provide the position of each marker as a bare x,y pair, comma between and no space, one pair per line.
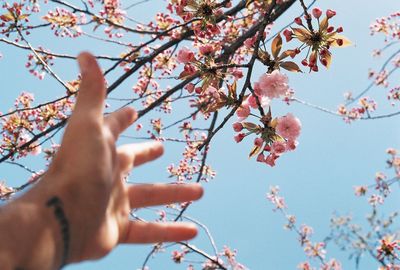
87,176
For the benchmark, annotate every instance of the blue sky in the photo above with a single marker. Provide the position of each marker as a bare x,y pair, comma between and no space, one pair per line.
316,180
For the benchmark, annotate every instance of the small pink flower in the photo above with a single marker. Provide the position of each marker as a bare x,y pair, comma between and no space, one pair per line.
36,150
278,148
317,12
291,145
206,49
190,87
243,111
237,127
264,101
250,42
185,55
289,127
272,85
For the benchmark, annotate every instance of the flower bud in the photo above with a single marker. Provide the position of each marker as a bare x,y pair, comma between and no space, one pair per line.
237,127
298,21
330,13
238,138
317,12
288,35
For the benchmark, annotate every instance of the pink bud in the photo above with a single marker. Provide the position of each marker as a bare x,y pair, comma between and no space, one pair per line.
339,41
238,138
261,157
330,13
243,111
317,12
190,87
237,127
304,62
330,29
339,29
314,68
288,35
298,21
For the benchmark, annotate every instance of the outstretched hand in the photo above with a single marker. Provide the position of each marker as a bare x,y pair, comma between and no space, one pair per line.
87,177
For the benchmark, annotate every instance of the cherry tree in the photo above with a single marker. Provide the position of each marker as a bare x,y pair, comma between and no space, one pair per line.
198,56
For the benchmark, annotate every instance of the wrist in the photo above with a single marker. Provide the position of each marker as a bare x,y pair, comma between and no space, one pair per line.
31,238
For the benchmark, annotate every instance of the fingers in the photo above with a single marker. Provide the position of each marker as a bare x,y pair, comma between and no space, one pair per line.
142,232
92,91
157,194
131,155
120,120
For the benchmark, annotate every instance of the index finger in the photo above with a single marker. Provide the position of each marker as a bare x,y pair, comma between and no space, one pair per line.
92,90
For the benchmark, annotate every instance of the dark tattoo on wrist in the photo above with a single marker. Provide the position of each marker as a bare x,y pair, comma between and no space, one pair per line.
59,213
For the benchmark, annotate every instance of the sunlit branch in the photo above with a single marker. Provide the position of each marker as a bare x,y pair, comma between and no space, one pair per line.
58,55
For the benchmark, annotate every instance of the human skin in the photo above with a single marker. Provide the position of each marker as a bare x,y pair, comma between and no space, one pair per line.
87,177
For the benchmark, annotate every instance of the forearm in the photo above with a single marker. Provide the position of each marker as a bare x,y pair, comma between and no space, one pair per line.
30,235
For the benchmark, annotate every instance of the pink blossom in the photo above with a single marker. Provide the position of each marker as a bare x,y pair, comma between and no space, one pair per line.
264,101
270,160
250,42
272,85
289,127
291,145
185,55
278,148
237,126
206,49
190,87
243,111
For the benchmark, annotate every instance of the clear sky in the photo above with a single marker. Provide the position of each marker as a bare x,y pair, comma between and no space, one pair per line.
317,179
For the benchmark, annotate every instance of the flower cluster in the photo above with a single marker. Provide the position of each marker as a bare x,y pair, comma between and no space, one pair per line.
278,136
366,106
14,18
36,66
314,250
387,248
389,26
64,22
20,126
317,43
113,13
